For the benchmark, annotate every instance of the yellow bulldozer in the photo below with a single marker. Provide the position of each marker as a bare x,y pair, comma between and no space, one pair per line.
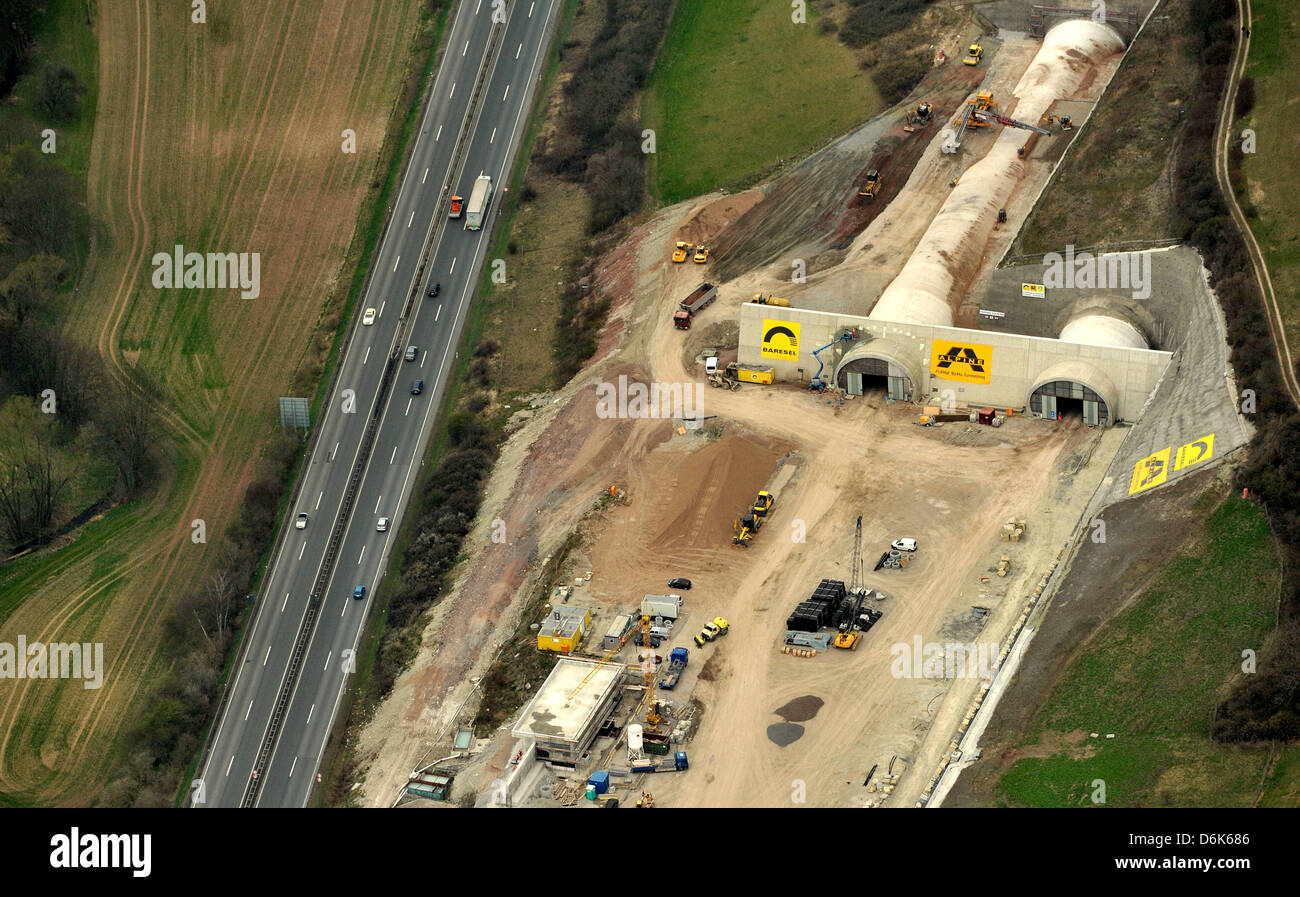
872,184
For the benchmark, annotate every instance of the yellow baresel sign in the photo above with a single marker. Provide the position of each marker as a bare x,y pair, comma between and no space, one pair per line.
1150,471
1194,452
780,339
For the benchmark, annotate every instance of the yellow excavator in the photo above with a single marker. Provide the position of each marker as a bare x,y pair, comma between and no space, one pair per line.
849,635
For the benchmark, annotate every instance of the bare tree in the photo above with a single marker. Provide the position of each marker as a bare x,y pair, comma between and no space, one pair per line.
30,490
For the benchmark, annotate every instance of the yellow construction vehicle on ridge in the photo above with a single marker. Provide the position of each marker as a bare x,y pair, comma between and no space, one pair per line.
681,251
973,55
701,255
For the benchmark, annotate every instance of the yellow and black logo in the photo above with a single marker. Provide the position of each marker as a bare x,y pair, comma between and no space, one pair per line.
781,340
1194,452
966,362
1150,472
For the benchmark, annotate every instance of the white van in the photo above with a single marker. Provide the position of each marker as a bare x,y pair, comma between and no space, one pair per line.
904,545
711,365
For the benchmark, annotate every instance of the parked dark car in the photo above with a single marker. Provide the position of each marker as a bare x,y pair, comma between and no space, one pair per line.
680,582
417,387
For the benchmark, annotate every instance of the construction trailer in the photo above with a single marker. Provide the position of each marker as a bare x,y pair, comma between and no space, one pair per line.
563,629
667,606
617,633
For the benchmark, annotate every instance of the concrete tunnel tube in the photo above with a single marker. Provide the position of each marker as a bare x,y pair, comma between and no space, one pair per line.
926,289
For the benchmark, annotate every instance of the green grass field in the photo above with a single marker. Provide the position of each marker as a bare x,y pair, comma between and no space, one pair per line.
1272,172
1151,677
738,87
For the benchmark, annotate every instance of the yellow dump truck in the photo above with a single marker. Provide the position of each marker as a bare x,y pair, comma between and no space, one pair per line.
750,373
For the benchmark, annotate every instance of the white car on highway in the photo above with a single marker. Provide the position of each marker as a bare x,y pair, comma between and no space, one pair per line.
369,317
381,525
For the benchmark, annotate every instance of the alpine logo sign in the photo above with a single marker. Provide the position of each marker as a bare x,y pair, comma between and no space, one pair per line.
780,340
963,362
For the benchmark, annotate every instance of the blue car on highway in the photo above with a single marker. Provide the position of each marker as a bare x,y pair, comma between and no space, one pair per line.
360,592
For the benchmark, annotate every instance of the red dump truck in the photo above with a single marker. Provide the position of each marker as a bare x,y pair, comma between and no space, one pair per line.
693,304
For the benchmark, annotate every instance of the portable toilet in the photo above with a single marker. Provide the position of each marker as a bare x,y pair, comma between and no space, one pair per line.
986,416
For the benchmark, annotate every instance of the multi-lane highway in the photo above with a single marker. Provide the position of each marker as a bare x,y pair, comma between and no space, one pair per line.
433,325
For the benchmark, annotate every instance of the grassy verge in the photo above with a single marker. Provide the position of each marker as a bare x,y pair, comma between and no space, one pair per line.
737,87
1272,171
1152,676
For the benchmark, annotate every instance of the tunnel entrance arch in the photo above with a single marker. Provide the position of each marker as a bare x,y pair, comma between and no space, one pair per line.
859,374
1065,398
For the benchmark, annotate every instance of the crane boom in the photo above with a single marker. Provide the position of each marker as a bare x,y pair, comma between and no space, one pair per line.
1012,123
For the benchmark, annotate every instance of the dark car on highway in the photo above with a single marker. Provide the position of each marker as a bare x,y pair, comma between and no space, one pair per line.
417,387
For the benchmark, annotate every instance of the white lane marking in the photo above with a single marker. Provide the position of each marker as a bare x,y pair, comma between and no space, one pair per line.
334,451
491,139
506,94
426,174
301,550
248,711
230,764
408,223
408,407
435,320
453,90
328,657
384,304
393,455
438,136
293,766
520,50
286,602
424,356
318,498
362,555
476,6
268,655
381,498
453,265
367,358
466,50
313,706
399,258
530,9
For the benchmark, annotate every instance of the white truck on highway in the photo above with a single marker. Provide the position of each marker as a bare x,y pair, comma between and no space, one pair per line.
478,203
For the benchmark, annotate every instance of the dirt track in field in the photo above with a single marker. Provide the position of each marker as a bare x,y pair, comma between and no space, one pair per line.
220,137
